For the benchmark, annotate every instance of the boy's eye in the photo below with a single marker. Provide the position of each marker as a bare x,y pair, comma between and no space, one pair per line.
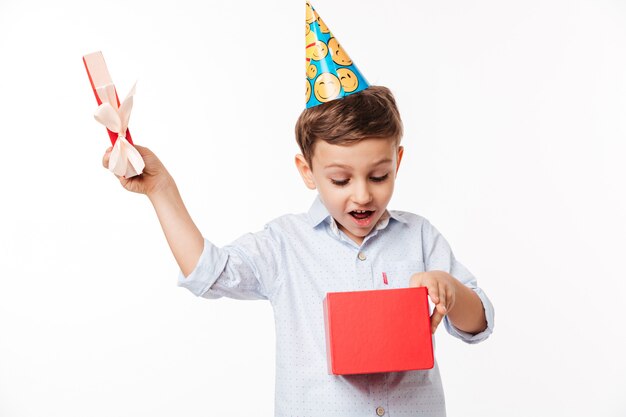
339,182
379,179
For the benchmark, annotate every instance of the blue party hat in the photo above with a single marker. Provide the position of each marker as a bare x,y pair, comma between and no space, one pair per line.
330,72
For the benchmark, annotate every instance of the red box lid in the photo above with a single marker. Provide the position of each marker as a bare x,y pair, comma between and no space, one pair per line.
378,331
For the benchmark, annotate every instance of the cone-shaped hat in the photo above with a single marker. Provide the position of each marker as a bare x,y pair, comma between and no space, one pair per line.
330,73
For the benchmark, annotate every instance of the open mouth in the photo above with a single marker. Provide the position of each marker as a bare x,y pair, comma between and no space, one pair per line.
361,214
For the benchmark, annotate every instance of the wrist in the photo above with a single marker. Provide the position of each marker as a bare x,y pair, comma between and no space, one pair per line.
163,191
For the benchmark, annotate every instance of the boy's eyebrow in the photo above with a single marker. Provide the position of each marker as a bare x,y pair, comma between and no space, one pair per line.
339,165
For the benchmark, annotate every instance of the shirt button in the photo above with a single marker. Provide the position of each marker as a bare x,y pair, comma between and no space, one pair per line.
362,257
380,411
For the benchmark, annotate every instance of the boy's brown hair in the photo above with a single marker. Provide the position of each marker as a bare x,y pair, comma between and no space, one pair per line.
371,113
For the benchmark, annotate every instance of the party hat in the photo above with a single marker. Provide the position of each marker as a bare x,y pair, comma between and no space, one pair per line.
330,72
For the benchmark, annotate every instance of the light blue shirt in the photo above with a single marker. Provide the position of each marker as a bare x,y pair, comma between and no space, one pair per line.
293,263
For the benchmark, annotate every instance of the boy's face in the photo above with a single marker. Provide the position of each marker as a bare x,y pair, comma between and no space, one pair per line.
355,182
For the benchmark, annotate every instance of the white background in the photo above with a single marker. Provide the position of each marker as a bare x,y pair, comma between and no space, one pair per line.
515,116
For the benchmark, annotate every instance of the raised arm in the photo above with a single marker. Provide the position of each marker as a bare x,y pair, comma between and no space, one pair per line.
183,237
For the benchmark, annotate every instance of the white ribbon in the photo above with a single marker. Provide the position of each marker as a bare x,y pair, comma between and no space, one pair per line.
125,160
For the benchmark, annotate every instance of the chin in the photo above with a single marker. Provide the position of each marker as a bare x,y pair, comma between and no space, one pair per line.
361,233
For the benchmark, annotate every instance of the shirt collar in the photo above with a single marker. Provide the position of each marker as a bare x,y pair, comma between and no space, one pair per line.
318,213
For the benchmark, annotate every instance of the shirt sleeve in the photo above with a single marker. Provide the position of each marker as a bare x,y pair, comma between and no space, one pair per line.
247,269
438,256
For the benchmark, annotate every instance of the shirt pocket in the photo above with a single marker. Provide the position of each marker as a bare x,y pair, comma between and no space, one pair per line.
396,274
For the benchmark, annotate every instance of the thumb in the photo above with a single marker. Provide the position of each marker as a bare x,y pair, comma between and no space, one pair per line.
143,151
435,320
106,157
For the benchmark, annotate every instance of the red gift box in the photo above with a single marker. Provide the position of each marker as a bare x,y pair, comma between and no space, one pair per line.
378,331
99,76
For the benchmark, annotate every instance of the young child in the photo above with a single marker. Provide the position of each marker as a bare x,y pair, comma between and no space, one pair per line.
351,153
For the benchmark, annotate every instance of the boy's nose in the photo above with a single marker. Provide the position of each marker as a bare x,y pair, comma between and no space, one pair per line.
361,194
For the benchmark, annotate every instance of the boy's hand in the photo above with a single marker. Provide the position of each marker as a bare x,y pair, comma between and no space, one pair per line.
154,177
441,290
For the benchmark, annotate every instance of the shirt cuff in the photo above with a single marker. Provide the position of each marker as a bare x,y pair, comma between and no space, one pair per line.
208,269
478,337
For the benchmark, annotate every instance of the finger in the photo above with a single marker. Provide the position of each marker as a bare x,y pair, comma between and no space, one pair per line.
441,309
435,319
433,292
443,297
416,280
123,180
143,151
107,155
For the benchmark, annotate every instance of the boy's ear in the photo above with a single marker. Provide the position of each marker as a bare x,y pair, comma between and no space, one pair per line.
400,153
305,172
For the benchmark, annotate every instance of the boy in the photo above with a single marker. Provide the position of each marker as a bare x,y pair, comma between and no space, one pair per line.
351,154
